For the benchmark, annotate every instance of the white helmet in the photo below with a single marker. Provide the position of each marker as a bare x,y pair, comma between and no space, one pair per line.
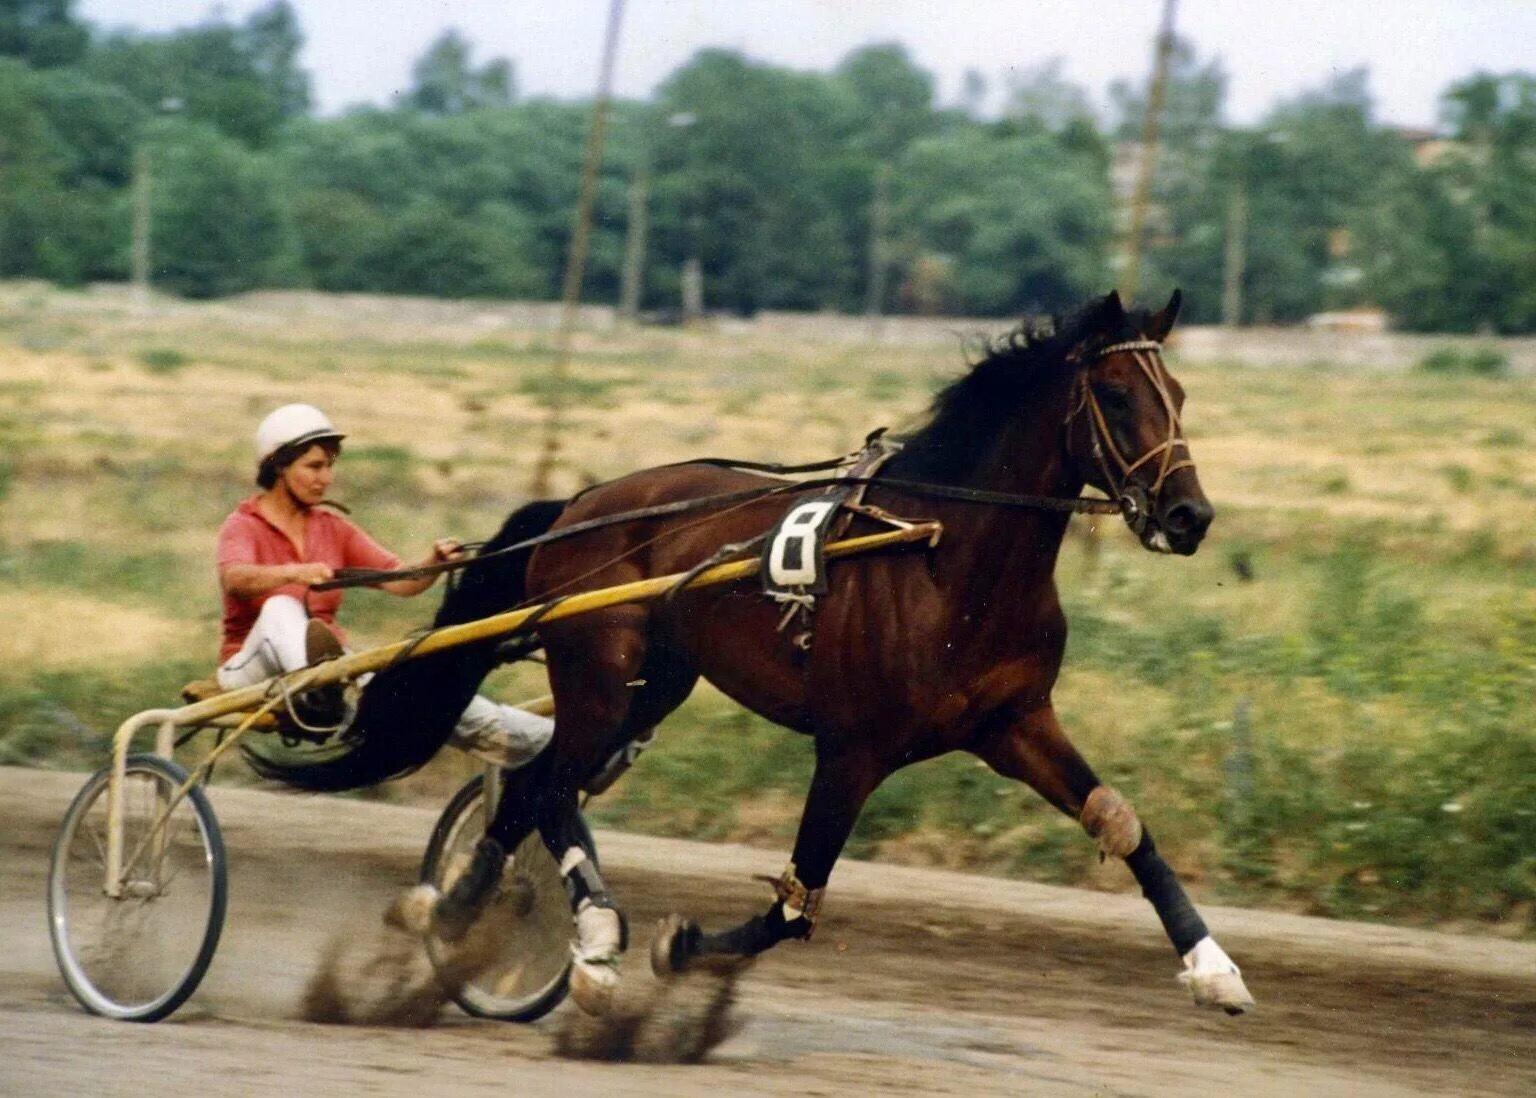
291,425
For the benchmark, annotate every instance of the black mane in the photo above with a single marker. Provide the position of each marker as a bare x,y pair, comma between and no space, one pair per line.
967,414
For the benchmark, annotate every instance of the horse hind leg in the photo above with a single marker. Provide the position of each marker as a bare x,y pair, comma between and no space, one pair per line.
610,693
1033,748
842,782
600,930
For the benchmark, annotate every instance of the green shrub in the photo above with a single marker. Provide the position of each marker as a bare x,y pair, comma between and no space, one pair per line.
162,360
1473,362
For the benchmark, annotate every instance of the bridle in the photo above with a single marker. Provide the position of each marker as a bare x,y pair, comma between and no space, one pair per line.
1135,500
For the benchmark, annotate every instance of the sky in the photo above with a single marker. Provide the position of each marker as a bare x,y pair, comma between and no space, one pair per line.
362,51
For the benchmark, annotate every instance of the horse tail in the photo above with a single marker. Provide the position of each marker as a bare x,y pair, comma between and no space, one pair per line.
409,710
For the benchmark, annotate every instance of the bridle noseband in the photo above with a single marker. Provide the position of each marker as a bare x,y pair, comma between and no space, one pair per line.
1135,501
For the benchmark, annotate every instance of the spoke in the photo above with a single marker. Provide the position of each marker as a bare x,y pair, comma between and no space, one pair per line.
99,841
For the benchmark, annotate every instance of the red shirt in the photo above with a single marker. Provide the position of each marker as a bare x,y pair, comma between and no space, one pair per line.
247,537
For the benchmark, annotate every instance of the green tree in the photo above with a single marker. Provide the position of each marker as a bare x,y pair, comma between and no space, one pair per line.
272,39
1021,222
1314,176
1041,96
43,33
1492,180
243,80
747,183
445,82
220,225
64,161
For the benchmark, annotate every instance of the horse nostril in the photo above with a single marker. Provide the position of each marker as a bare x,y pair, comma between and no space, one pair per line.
1188,517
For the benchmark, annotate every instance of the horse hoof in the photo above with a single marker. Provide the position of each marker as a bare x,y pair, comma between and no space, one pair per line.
412,910
674,944
1214,980
593,986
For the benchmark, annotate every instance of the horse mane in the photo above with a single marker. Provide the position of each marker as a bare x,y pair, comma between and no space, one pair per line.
967,414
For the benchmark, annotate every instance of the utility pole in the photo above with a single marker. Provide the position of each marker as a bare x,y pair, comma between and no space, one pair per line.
1147,168
576,261
693,273
138,262
879,221
632,279
1235,256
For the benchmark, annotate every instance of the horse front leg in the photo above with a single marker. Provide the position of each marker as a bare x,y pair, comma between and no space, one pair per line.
601,933
843,780
1031,747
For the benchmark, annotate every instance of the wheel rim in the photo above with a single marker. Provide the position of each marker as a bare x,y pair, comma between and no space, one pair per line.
530,920
139,956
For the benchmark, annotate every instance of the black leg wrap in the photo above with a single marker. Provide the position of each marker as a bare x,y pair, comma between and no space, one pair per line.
753,936
1158,884
457,910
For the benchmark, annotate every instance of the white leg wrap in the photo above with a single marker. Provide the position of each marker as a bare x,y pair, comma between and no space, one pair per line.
598,934
595,973
573,857
1213,979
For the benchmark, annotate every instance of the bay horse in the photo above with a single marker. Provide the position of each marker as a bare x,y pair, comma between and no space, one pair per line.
912,653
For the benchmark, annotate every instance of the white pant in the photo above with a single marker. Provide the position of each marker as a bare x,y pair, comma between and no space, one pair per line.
276,645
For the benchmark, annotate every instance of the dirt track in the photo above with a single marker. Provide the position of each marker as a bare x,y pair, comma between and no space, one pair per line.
918,982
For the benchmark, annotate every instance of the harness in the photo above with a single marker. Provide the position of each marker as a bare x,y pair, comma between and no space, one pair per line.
861,469
1134,500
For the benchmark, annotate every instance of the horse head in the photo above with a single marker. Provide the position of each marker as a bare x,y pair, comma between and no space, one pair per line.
1124,432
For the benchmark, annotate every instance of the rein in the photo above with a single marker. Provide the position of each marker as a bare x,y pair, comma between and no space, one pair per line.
365,577
1130,502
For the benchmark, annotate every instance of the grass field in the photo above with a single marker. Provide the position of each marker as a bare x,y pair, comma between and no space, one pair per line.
1328,709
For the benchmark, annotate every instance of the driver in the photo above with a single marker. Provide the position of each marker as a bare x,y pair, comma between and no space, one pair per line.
287,537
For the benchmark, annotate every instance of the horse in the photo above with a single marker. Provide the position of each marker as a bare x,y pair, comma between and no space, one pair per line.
910,654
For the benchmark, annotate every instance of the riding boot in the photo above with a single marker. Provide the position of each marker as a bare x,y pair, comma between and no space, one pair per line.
325,707
462,904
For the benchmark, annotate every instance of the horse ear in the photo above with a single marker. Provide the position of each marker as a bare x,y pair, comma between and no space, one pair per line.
1161,323
1114,308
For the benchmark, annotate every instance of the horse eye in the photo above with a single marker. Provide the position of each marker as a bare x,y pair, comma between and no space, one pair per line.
1113,398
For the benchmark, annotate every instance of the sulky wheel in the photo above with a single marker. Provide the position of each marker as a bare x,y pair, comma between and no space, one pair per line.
531,913
137,957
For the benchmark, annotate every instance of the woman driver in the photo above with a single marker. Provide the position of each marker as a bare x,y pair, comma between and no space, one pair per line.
279,542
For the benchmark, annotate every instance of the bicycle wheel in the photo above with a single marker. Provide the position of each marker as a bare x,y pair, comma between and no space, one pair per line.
532,917
139,956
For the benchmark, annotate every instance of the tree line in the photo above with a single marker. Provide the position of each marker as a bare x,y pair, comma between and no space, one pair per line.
848,190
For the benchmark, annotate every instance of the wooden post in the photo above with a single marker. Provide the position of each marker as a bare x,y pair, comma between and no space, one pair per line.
1235,256
576,261
879,219
139,254
632,280
1147,169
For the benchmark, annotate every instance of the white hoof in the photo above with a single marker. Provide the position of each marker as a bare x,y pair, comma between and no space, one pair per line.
593,985
1214,980
412,909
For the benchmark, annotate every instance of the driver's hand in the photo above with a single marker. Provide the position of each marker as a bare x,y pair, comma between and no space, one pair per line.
311,573
444,549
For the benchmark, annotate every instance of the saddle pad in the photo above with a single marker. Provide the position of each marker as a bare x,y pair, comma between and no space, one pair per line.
794,558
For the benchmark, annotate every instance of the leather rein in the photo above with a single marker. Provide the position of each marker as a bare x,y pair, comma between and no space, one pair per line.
1131,504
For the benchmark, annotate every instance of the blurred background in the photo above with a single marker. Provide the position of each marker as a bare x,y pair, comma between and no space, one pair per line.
797,212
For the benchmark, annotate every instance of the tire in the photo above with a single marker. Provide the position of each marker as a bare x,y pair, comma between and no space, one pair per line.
530,974
137,958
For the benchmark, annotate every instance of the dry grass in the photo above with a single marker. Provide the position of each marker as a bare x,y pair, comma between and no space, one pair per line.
124,439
